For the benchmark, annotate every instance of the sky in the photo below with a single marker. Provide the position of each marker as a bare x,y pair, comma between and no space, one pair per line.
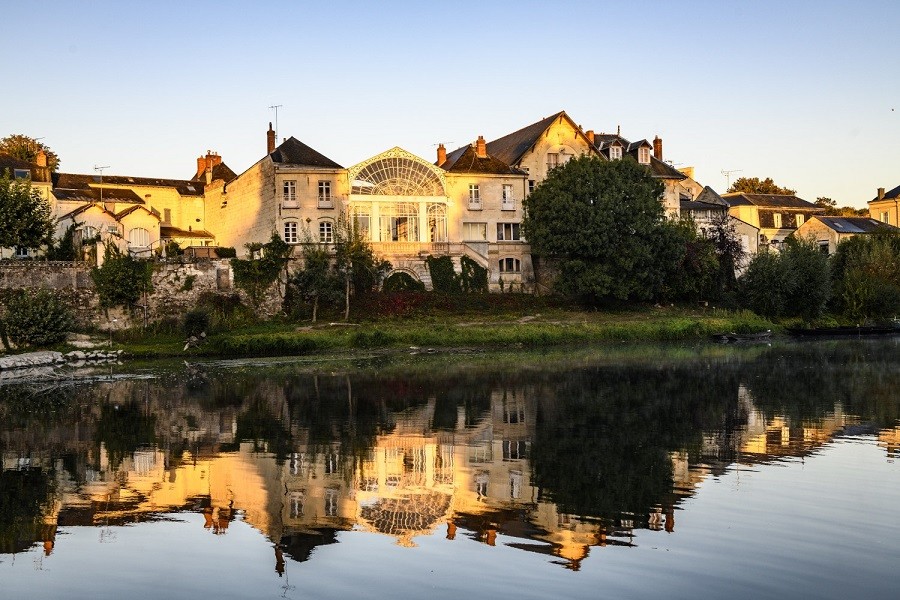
803,92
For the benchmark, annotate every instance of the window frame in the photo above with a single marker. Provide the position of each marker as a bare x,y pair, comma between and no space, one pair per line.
644,155
552,160
468,225
509,264
507,200
292,237
326,231
289,192
512,228
615,153
475,196
324,197
136,231
777,220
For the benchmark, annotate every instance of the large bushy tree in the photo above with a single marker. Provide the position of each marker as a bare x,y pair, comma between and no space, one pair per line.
603,223
866,273
24,215
26,148
754,185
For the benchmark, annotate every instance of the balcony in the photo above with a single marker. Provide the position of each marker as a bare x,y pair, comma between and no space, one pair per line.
474,204
290,203
411,248
325,202
508,204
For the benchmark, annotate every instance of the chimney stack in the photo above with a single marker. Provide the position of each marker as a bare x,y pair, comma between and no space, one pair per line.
657,148
270,139
442,155
480,147
41,159
590,136
206,163
881,193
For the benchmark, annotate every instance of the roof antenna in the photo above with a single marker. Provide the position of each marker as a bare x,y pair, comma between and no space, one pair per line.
276,107
99,169
727,175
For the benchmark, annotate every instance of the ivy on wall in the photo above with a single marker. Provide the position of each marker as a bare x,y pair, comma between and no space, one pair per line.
474,277
255,275
122,278
443,277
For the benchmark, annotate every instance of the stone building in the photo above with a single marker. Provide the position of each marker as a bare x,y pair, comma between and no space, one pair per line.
886,206
776,215
828,232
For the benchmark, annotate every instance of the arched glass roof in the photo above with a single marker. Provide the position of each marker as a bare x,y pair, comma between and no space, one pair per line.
396,173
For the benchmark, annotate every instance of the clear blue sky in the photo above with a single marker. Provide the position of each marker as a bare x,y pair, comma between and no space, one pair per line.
807,93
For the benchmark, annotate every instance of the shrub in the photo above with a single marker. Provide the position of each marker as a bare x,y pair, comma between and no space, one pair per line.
122,278
173,249
793,283
474,277
443,277
196,322
225,252
36,319
402,282
256,275
866,275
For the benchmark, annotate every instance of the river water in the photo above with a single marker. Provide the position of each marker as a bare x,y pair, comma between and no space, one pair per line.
623,472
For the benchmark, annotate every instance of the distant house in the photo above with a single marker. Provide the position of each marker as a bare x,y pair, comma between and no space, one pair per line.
885,207
828,232
708,209
776,215
38,175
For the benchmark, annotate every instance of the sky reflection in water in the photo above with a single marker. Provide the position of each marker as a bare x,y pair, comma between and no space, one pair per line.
656,472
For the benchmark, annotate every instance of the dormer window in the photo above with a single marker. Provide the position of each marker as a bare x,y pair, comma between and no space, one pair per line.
644,155
615,152
21,174
800,219
777,218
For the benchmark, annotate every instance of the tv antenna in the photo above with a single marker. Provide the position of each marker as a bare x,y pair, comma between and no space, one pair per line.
727,174
99,169
275,107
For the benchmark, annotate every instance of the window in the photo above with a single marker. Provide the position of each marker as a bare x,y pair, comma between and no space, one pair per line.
530,185
474,197
139,237
21,174
290,232
399,222
507,202
331,463
289,191
325,200
22,252
615,152
777,218
437,222
644,155
113,229
884,217
800,218
296,505
88,232
510,265
331,502
167,215
552,160
363,218
326,232
515,484
475,232
507,232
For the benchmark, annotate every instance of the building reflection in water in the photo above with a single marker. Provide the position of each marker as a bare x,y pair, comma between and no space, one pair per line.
513,461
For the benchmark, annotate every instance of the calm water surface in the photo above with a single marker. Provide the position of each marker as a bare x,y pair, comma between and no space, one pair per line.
680,472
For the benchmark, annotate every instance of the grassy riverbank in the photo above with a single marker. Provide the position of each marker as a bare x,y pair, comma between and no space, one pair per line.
550,327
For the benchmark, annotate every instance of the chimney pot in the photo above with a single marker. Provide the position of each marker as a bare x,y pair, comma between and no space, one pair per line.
657,148
480,147
881,193
270,140
441,155
590,136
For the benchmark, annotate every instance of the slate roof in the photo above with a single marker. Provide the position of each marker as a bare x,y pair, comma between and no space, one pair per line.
893,194
854,224
512,147
7,161
120,196
709,196
75,181
465,160
220,171
769,201
166,231
658,168
689,205
294,152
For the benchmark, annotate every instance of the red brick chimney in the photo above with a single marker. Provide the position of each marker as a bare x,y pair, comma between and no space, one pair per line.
270,140
657,148
480,147
590,136
206,163
442,155
41,159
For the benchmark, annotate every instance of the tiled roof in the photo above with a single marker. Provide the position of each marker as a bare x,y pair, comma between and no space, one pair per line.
74,181
117,195
512,147
294,152
769,201
854,224
465,160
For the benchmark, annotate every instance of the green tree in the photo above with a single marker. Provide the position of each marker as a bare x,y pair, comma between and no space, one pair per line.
122,278
355,260
753,185
832,209
256,275
25,219
24,147
602,222
795,282
866,275
728,248
316,282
